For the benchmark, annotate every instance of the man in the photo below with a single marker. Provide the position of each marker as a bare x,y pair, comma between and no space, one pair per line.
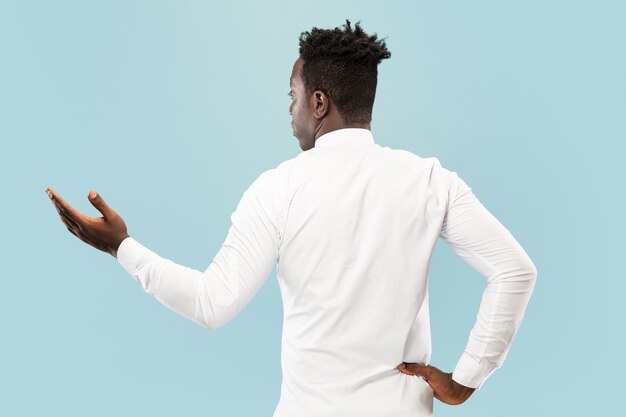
352,226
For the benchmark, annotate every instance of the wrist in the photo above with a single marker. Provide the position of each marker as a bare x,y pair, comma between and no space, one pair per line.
116,245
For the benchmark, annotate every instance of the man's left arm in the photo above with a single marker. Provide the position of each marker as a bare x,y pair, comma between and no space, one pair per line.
486,245
215,296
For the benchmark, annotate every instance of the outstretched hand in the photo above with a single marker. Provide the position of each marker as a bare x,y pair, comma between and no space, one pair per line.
445,389
104,233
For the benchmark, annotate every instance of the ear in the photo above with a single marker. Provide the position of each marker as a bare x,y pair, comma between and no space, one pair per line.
321,104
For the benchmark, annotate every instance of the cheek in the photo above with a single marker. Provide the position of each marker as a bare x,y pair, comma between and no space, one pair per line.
295,110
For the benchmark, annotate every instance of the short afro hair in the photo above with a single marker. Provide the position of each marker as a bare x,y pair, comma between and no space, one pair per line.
344,65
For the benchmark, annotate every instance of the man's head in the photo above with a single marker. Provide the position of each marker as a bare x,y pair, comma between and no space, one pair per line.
333,82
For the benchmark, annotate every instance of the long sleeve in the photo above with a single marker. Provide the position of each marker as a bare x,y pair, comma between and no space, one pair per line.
241,266
486,245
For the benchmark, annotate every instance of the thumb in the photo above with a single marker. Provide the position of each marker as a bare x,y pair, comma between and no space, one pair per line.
99,203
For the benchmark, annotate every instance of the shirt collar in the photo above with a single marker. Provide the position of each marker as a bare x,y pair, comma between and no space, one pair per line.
351,135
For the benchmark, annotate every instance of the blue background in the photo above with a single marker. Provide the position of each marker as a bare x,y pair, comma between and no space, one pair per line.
170,109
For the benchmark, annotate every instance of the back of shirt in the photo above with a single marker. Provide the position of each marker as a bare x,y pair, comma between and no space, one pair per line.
361,222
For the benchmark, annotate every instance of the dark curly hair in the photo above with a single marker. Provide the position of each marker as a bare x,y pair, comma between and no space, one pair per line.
344,65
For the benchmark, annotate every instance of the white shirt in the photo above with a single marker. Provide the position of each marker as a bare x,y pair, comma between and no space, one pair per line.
352,226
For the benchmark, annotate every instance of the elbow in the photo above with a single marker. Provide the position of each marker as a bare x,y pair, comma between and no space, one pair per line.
520,278
526,277
525,269
534,273
528,274
207,324
206,320
210,321
534,277
214,309
531,273
213,323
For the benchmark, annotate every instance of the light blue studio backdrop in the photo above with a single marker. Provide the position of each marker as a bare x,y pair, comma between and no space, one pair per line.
171,109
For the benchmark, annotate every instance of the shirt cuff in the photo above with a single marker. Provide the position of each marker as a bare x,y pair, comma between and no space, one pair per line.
471,372
129,253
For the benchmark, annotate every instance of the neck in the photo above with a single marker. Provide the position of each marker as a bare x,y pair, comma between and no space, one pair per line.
327,126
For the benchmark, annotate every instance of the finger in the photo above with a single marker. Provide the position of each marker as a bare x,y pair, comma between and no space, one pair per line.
79,222
66,208
415,369
402,368
67,219
99,203
69,227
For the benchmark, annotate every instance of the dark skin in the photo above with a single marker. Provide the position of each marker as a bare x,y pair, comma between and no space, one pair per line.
103,233
445,389
313,115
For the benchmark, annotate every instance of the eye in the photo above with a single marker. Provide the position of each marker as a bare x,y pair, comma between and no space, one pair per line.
290,95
